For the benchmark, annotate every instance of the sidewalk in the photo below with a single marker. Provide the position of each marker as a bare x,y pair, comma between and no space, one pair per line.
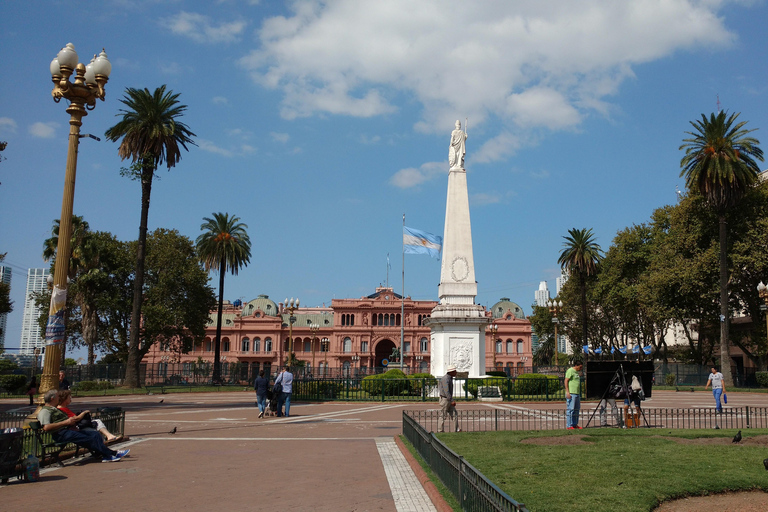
334,457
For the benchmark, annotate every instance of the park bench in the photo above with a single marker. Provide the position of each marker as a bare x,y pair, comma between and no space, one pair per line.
49,447
489,394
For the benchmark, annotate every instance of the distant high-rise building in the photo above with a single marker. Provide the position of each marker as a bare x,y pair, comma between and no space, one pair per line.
561,282
542,295
5,277
30,328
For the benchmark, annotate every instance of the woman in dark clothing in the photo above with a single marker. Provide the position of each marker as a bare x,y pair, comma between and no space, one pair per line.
32,390
260,385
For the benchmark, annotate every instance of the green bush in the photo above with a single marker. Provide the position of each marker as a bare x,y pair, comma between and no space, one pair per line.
14,384
472,385
319,388
92,385
496,373
537,384
391,383
762,379
422,383
670,379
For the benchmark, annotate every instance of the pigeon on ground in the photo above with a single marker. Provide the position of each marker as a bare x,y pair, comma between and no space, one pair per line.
737,437
173,431
765,463
162,400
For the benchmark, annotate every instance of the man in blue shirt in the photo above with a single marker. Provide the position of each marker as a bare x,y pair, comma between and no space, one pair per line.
285,379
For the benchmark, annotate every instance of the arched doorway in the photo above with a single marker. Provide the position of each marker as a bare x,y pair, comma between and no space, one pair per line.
383,351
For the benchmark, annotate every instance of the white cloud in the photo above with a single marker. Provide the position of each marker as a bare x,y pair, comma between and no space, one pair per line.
280,137
528,65
43,130
483,198
7,125
211,147
203,29
411,177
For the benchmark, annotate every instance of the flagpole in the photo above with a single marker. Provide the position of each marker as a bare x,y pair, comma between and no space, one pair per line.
402,307
387,270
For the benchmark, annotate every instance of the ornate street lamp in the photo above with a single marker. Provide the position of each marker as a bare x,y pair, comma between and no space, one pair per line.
492,330
82,94
291,306
554,309
314,328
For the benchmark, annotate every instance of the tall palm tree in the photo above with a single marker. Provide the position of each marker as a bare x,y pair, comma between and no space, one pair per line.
152,135
223,245
581,256
719,163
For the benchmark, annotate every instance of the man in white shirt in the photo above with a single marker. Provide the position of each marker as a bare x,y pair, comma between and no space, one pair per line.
286,380
718,387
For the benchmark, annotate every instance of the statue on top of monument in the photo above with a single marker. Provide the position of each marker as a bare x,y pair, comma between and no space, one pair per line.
457,150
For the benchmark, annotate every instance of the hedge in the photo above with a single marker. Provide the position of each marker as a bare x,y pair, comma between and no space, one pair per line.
537,384
14,384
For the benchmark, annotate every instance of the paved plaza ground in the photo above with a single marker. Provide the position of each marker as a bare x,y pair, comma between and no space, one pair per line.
333,456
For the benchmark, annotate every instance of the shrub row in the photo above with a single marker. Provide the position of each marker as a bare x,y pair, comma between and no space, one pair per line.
395,383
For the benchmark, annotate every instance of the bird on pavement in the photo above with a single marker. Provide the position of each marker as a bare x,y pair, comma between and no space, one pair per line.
737,437
173,431
162,400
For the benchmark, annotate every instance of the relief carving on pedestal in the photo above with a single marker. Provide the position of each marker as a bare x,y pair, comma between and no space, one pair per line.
461,355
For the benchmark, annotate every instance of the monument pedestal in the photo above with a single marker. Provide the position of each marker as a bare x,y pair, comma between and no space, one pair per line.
458,338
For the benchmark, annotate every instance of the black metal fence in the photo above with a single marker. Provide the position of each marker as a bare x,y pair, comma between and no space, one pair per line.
470,487
498,419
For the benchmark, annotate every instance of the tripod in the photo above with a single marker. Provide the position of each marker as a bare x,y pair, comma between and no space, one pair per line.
618,389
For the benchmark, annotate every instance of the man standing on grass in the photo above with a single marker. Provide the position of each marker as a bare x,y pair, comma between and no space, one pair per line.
572,396
718,387
447,405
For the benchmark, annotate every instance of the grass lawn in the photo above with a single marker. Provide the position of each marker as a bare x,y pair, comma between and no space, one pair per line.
614,470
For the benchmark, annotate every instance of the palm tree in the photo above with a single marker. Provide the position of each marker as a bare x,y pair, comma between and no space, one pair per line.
581,256
223,245
719,163
152,135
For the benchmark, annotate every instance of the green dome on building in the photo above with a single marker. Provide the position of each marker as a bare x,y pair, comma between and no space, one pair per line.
261,303
505,307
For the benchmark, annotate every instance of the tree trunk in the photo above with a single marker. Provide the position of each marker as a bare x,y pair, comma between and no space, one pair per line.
217,342
725,355
133,362
583,284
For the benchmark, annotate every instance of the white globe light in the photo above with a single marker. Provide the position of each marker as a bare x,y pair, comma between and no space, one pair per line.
68,56
101,65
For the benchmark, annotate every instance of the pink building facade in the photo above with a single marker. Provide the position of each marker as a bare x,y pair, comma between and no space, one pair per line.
351,334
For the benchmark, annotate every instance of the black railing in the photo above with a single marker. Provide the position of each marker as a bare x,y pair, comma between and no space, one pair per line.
486,420
470,487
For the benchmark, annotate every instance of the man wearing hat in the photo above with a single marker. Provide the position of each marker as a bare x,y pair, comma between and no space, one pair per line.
447,405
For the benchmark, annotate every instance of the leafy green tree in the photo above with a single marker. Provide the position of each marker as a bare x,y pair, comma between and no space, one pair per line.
580,257
223,245
177,301
719,164
151,135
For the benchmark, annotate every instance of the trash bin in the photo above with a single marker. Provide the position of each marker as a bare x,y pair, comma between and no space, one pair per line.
11,444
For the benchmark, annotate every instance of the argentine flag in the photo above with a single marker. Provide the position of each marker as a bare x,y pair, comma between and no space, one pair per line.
647,349
636,349
421,242
623,349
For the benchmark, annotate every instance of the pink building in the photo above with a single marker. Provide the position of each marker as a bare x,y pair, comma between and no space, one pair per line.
351,334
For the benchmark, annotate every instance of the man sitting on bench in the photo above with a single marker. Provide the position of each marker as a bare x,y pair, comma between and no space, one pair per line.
63,430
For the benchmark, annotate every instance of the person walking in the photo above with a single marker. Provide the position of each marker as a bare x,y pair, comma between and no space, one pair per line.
718,387
260,385
285,379
32,390
572,396
447,405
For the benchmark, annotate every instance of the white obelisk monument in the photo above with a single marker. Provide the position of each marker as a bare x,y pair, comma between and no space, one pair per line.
457,323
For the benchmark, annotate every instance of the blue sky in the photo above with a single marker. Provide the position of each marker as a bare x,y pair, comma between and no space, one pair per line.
321,123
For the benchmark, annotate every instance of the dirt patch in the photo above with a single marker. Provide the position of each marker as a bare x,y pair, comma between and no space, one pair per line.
752,501
555,441
750,441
